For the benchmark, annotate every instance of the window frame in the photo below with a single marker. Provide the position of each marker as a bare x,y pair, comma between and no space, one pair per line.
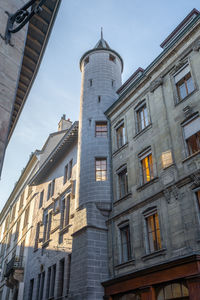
120,172
142,156
158,237
186,147
123,228
184,81
101,170
122,138
99,134
137,108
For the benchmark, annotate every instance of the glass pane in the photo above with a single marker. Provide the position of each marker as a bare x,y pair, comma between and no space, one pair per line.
185,291
176,290
182,91
161,295
190,85
168,292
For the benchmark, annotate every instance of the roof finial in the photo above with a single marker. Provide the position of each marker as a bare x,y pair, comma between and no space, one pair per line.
101,33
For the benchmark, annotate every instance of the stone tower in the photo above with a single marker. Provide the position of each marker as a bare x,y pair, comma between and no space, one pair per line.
101,70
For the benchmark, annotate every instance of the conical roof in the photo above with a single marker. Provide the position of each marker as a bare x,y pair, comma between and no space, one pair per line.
101,45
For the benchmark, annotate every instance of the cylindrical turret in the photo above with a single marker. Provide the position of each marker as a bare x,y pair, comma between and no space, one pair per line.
101,70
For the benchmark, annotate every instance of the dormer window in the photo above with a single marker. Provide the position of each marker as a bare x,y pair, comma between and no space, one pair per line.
86,61
112,58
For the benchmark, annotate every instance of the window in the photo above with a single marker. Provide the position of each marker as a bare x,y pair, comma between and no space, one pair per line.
37,234
86,61
101,129
174,291
65,174
142,117
30,293
101,169
184,82
192,135
38,286
125,243
21,202
48,283
147,166
90,82
198,199
17,230
13,212
68,273
70,169
112,58
65,211
123,181
99,99
41,288
53,278
51,187
153,232
26,216
47,226
41,198
120,134
61,277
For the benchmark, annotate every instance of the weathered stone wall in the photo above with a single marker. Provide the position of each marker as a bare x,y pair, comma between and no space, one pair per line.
10,64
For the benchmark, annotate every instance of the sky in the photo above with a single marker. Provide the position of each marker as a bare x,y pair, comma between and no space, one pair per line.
133,28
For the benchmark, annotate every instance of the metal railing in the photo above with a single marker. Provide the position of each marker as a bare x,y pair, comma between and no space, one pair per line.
16,262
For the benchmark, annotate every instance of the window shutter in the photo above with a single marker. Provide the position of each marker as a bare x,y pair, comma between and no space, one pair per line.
191,128
178,76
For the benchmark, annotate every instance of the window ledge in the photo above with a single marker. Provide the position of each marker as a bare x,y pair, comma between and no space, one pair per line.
154,254
120,149
65,229
125,264
142,131
46,243
143,186
191,156
178,101
128,195
55,229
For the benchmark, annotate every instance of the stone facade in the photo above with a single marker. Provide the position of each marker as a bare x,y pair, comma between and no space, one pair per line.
155,215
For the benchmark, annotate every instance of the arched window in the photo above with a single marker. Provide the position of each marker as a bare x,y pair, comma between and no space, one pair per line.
174,291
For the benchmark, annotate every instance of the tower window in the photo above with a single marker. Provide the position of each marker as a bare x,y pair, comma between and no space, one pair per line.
101,169
99,99
112,58
101,129
86,61
113,83
90,82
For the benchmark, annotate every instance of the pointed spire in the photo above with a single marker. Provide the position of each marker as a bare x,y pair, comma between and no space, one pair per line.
102,44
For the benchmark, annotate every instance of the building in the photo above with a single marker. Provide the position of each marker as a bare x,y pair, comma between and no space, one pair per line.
113,200
20,58
154,225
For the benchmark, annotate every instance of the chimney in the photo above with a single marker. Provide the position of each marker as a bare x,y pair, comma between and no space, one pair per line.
64,124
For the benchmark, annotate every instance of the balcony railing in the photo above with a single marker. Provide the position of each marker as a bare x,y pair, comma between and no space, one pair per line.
16,262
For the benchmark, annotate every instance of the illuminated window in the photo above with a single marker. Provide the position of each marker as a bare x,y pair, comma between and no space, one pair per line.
192,135
147,167
125,243
120,134
184,82
153,232
101,129
101,169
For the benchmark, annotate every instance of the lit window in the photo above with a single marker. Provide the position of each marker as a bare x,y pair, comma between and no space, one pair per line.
192,136
101,129
101,169
120,135
123,182
184,82
142,117
147,167
125,243
153,232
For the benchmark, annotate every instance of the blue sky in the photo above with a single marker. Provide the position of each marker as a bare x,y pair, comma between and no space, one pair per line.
133,28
